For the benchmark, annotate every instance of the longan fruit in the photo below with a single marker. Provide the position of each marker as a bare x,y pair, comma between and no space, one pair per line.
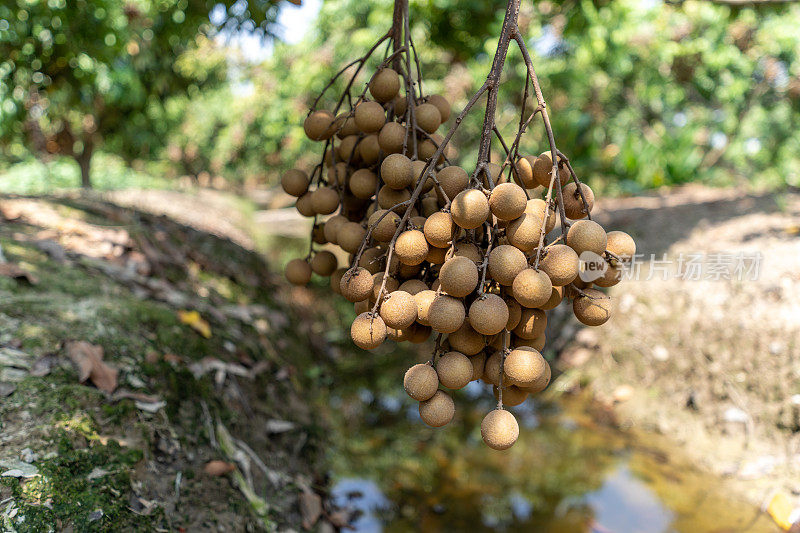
409,271
397,171
338,173
532,288
445,314
466,340
532,323
543,167
505,263
304,206
621,244
384,230
371,259
348,149
368,331
400,103
369,149
388,198
458,276
555,298
494,170
512,395
418,167
421,382
331,227
537,343
318,234
363,183
499,429
524,366
436,256
398,335
294,182
488,314
350,236
438,410
524,174
391,285
507,201
298,272
336,279
514,313
324,263
454,370
324,200
594,308
424,299
524,232
439,229
561,264
369,117
356,284
442,105
391,138
413,286
411,247
611,277
541,383
318,125
470,208
453,180
384,85
428,117
430,205
419,333
468,250
478,361
399,310
587,235
573,204
346,124
491,369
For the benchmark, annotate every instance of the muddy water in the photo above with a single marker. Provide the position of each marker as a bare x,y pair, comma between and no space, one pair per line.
570,471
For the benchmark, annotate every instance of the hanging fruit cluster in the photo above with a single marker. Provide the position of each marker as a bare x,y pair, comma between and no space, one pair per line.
436,251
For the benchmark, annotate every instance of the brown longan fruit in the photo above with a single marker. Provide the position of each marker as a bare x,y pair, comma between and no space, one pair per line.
524,174
324,200
514,313
505,263
384,85
421,382
416,222
524,232
430,205
397,171
561,264
348,149
524,366
458,277
424,299
298,272
499,429
371,259
409,271
593,308
419,333
391,138
384,230
532,288
436,256
428,117
318,125
363,183
610,277
468,250
573,204
441,104
445,314
398,335
418,167
331,227
356,284
478,361
587,235
438,410
318,234
369,149
411,247
413,286
324,263
491,369
304,206
555,298
362,307
295,182
439,229
541,383
369,117
400,103
470,208
454,370
338,173
466,340
336,279
350,236
537,343
391,285
368,331
388,198
346,124
399,310
488,314
507,201
512,395
543,167
453,180
621,244
532,323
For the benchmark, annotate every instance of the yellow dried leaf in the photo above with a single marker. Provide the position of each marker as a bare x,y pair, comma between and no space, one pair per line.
196,322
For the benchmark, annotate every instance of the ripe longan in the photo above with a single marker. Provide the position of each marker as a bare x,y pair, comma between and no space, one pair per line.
621,244
369,149
298,272
454,370
384,85
411,247
524,366
541,383
356,284
512,395
532,288
428,117
610,277
442,105
478,361
524,174
594,308
532,323
470,208
369,117
439,229
538,207
399,310
445,314
371,259
424,299
324,200
587,235
466,340
537,343
436,256
336,279
397,171
453,180
421,382
419,333
413,286
331,227
507,201
561,264
524,232
304,206
505,263
318,125
295,182
543,167
418,167
391,138
384,230
368,331
491,369
499,429
573,204
468,250
458,277
346,124
400,104
389,198
324,263
391,285
363,183
514,313
555,298
349,149
350,236
438,410
488,314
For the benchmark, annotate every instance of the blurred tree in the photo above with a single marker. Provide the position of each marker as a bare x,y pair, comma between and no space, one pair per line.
78,74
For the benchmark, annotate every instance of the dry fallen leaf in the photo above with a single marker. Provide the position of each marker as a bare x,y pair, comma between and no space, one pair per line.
310,508
196,322
89,360
218,468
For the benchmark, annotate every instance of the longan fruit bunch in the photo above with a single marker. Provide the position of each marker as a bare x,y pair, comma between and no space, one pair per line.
436,252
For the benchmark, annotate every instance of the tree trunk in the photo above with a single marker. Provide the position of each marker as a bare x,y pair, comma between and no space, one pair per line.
84,160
